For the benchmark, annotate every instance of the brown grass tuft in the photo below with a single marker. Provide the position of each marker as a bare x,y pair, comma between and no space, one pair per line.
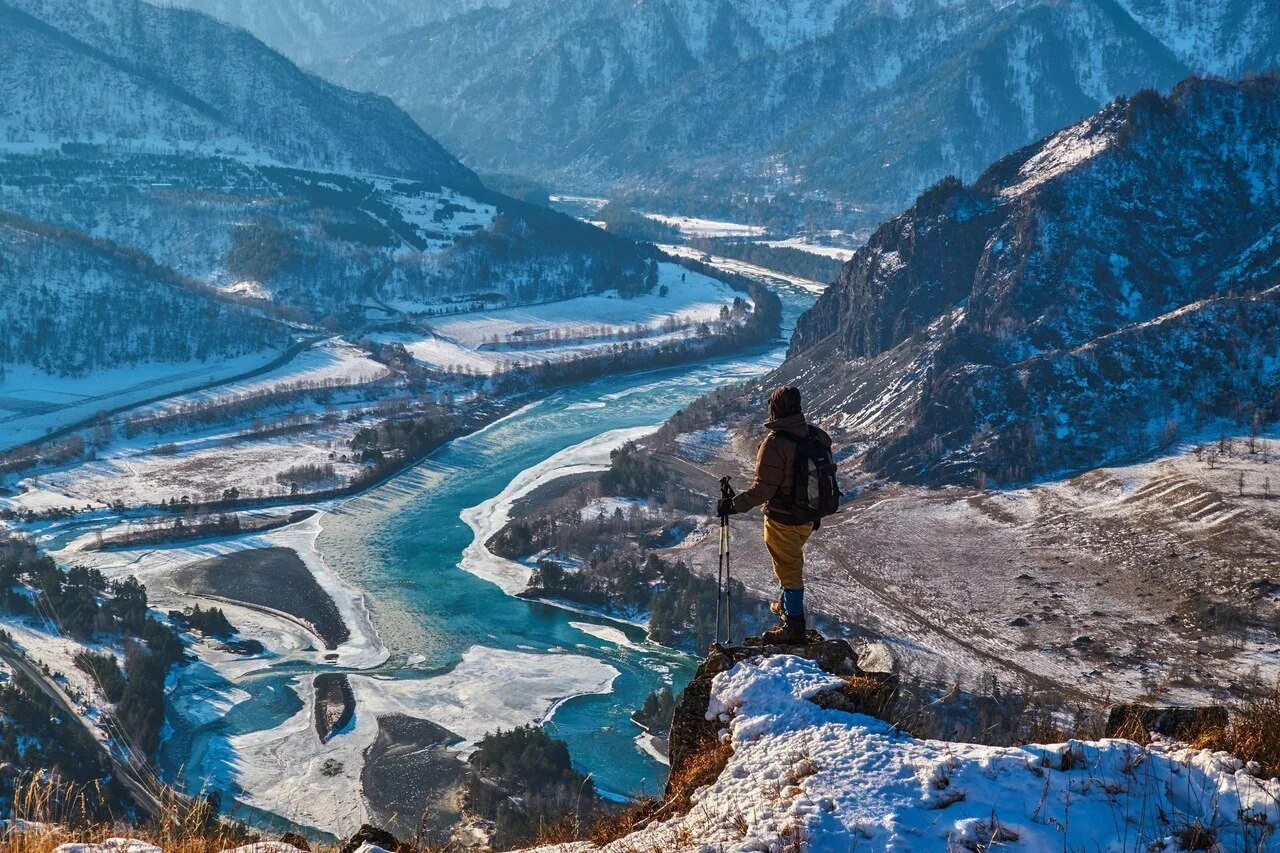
1134,729
1253,733
49,813
699,771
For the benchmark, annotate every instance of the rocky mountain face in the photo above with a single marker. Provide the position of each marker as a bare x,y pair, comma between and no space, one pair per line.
844,110
191,145
1089,298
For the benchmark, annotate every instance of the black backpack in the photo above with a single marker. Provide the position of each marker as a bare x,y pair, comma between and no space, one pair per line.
816,494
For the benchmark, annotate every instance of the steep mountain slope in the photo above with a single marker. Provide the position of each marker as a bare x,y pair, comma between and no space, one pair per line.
192,142
768,110
102,306
136,77
1088,299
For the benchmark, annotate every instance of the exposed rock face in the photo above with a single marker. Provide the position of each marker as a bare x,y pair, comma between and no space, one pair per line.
1087,299
691,731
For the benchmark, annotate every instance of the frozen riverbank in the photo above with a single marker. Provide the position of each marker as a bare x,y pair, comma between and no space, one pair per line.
489,517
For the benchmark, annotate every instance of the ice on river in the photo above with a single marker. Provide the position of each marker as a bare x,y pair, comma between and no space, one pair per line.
287,771
489,517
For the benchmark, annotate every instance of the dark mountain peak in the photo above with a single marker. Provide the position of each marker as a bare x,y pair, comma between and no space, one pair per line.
1037,296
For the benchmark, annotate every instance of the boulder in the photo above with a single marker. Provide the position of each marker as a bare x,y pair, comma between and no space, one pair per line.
1172,721
368,838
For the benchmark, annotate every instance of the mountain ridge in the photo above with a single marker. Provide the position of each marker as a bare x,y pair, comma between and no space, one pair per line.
784,113
1038,296
142,86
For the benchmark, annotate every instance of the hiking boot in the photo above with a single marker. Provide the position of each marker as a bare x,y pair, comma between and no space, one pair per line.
791,632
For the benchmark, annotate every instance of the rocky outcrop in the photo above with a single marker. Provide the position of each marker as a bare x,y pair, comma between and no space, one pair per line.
1086,300
692,734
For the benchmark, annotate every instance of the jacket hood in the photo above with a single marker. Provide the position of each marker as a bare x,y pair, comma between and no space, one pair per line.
795,424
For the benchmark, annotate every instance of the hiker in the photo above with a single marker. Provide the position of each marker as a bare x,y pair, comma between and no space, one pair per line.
789,519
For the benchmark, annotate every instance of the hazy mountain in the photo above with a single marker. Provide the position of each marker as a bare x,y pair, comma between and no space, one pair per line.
1090,298
151,80
844,109
318,33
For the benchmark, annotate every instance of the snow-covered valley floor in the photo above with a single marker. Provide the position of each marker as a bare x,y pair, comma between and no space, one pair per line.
495,339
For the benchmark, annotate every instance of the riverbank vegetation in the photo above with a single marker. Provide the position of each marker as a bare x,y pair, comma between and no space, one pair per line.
784,259
113,624
523,782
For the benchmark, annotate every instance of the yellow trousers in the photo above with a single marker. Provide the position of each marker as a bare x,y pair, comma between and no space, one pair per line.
786,548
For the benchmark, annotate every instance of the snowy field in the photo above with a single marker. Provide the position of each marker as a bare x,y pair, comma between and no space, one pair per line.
488,341
732,265
804,244
439,216
693,227
34,403
200,470
831,782
330,363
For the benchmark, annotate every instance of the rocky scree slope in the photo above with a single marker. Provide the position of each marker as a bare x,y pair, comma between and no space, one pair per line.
844,109
1088,299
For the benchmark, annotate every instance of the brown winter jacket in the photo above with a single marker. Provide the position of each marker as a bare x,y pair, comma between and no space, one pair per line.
776,470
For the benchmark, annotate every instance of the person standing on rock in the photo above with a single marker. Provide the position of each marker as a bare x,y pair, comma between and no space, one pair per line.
792,452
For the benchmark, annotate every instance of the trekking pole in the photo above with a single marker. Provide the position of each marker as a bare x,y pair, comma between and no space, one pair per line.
726,491
719,581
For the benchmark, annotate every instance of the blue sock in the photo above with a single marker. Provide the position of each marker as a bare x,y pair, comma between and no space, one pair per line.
793,601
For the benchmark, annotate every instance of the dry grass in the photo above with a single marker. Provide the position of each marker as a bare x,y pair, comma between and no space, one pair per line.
47,812
1133,728
1252,734
701,770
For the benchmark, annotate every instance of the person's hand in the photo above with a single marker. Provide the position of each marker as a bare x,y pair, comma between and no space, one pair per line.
724,507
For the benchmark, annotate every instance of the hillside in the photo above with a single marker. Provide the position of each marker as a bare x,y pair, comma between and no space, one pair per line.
99,306
1053,394
319,33
194,147
130,76
776,113
1089,299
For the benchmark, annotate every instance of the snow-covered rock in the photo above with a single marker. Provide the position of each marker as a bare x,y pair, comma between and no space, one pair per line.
835,781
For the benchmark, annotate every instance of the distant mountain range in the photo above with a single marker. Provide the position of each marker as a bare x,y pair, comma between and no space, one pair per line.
841,111
160,144
1095,296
